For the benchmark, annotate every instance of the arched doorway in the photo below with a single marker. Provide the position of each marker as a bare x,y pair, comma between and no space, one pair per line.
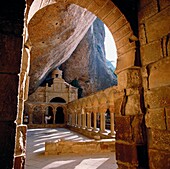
59,118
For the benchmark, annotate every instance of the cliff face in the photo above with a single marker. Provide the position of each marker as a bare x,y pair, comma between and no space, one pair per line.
54,33
87,65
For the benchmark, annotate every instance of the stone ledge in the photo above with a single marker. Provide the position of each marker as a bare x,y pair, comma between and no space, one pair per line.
87,147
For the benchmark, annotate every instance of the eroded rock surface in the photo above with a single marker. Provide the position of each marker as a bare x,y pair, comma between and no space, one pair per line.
87,64
54,33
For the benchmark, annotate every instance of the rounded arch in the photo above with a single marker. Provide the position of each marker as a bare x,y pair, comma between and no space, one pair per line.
107,12
57,100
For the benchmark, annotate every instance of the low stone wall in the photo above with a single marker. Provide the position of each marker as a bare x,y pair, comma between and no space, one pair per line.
87,147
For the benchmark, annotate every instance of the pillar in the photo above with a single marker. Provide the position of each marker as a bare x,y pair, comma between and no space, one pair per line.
79,119
54,115
131,145
76,124
88,121
70,119
84,119
11,44
73,119
95,121
102,121
112,129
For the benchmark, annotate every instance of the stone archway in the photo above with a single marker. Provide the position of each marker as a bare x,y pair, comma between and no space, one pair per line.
120,29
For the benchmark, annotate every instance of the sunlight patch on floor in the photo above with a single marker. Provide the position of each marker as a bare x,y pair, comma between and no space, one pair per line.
91,163
57,164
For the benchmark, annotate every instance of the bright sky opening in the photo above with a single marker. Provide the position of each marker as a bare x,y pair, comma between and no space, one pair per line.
110,47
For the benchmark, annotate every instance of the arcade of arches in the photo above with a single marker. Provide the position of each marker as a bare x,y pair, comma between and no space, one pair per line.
139,105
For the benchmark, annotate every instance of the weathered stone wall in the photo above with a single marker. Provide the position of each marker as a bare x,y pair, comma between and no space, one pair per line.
11,29
38,95
154,34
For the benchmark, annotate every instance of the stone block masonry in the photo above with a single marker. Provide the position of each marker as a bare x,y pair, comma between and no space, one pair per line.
87,147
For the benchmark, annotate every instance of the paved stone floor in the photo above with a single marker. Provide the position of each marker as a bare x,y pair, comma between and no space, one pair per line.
37,160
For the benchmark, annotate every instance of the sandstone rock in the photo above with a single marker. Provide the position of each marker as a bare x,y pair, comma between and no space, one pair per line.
88,62
155,118
157,98
54,33
157,70
159,139
151,53
159,159
156,26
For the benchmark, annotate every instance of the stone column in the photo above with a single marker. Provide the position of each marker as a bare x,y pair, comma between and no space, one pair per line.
76,120
95,121
54,115
79,119
70,119
88,121
129,121
112,133
102,121
84,119
73,119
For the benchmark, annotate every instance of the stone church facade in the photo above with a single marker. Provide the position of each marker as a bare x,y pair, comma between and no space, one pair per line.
141,104
48,104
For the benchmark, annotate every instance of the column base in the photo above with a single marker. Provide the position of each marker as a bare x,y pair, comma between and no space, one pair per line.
95,130
89,129
103,132
84,128
112,135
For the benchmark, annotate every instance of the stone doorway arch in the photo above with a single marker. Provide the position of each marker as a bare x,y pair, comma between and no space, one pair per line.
109,13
